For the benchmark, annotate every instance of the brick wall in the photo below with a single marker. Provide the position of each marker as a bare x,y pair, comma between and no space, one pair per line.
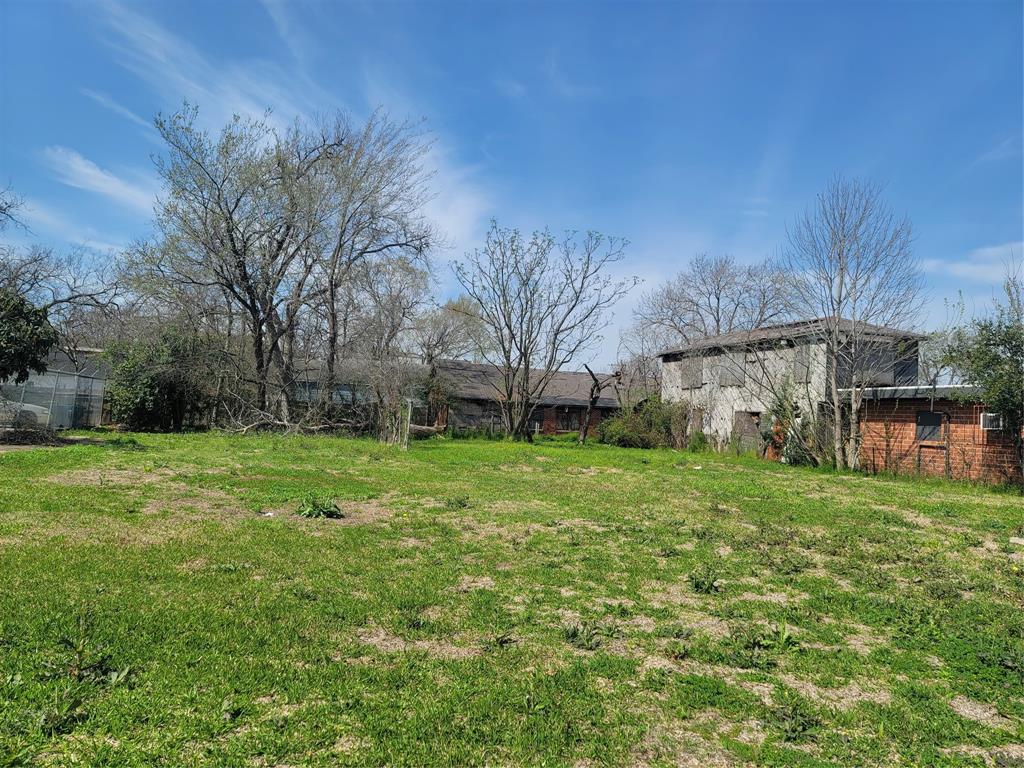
963,450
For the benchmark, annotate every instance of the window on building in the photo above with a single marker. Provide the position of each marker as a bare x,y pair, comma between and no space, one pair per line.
991,421
802,363
731,369
568,419
691,373
929,426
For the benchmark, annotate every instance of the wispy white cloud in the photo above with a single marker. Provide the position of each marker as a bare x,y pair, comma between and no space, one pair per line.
513,89
290,32
982,265
176,70
461,202
1008,148
561,83
107,102
77,171
43,219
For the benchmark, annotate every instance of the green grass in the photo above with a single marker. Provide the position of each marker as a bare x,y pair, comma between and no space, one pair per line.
163,601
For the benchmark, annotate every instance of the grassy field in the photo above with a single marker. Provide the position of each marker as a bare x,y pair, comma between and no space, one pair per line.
161,603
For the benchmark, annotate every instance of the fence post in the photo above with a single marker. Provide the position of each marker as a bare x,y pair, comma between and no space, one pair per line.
53,396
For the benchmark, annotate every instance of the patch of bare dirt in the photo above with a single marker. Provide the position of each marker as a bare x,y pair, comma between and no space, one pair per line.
844,698
100,476
1005,756
595,471
979,712
864,639
669,741
778,598
470,583
384,641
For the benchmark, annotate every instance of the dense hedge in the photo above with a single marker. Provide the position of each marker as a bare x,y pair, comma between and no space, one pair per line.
652,424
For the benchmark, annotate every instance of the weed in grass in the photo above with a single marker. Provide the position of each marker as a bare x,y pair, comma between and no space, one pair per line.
586,636
755,647
64,710
678,650
500,642
317,507
82,657
704,579
455,503
229,709
794,717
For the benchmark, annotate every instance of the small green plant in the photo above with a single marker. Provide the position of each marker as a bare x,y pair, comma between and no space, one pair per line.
500,642
585,636
64,710
455,503
704,579
318,507
794,717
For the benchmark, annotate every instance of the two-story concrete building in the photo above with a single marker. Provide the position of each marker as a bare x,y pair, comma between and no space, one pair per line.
732,379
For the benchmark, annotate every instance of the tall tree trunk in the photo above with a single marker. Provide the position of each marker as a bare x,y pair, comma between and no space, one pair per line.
327,395
259,357
853,440
837,410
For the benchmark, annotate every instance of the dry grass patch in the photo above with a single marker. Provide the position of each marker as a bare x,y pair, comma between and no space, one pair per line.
386,642
979,712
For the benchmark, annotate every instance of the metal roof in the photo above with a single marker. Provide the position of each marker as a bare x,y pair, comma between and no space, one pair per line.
919,392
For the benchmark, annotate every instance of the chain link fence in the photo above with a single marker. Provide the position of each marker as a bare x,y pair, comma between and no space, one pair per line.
55,400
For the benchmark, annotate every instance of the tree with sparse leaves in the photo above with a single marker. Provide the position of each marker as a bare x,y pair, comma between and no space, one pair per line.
989,353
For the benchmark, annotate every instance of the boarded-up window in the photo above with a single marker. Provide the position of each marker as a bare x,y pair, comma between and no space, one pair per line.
878,368
691,373
802,363
929,426
731,369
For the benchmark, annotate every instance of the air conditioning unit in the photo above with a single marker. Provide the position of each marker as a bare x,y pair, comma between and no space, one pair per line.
991,421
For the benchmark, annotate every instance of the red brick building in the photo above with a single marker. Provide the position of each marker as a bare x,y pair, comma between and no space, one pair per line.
933,431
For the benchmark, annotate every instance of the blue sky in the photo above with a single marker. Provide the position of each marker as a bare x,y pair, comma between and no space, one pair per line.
684,127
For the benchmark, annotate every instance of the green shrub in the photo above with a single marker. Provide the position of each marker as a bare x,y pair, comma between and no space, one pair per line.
160,384
649,425
699,442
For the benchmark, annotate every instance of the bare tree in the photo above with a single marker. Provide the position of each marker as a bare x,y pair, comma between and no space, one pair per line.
376,196
395,290
542,304
74,288
851,264
10,204
712,296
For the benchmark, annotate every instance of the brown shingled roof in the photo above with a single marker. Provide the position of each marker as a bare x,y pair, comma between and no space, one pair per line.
476,381
786,331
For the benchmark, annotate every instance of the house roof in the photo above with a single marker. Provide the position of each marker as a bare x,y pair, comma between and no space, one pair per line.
787,331
477,381
920,392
